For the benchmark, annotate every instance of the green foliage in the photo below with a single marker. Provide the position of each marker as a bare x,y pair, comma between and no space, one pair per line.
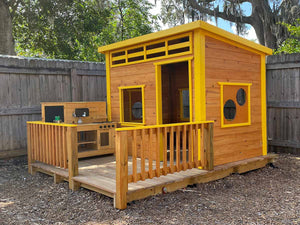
74,29
292,44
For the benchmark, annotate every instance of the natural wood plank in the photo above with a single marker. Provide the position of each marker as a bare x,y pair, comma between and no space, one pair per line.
143,147
158,149
178,166
134,155
72,156
165,148
184,148
172,149
150,152
121,170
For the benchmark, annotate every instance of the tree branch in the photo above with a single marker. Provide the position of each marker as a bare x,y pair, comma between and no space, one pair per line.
223,15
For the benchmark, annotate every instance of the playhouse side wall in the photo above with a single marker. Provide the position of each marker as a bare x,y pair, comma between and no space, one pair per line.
227,63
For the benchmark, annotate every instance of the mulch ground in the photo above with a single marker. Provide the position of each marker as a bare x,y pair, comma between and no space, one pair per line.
265,196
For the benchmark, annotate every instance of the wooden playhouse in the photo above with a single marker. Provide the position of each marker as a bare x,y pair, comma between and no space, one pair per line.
190,103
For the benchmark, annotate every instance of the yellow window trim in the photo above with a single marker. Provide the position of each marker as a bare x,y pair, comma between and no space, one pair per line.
248,85
144,52
121,105
158,86
108,91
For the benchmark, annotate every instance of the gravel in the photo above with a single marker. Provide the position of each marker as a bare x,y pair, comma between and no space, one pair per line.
266,196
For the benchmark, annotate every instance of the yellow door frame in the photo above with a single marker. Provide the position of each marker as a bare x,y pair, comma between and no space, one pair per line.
158,86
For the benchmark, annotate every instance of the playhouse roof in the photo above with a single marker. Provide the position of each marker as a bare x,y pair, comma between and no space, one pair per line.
185,28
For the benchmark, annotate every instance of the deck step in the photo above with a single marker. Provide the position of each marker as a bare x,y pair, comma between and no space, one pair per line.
99,182
51,169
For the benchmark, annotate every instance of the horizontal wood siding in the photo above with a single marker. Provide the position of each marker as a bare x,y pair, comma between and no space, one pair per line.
283,97
24,83
227,63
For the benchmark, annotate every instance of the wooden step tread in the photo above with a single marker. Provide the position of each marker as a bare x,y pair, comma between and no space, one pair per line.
52,169
100,182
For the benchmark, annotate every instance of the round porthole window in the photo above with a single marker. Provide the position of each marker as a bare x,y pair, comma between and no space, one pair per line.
137,110
241,96
229,110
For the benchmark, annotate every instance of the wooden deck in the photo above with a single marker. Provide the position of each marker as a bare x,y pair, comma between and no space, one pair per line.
99,174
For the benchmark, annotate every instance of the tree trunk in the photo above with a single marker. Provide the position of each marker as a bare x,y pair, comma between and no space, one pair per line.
6,38
262,21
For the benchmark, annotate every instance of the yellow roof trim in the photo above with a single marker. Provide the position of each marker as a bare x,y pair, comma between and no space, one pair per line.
185,28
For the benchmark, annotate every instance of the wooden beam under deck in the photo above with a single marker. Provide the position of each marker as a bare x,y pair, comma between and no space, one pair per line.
99,175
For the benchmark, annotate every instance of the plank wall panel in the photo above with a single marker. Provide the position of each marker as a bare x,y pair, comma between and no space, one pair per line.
227,63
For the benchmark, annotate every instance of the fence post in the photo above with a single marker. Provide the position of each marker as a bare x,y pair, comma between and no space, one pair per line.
120,200
209,146
72,157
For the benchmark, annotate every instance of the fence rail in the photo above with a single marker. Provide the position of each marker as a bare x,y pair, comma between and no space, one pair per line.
161,150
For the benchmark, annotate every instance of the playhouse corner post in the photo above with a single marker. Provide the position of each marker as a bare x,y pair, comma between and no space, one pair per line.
72,157
120,200
209,146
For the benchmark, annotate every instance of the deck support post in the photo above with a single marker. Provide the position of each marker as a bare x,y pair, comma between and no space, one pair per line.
120,200
208,163
72,157
29,150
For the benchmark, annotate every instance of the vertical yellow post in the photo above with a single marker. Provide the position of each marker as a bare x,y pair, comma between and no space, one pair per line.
199,76
120,200
72,157
263,104
108,97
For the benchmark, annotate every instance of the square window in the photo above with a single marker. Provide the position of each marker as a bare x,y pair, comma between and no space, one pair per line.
235,104
131,104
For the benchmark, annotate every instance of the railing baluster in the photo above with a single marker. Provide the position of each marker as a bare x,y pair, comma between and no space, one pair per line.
172,149
143,147
158,144
150,152
134,155
165,151
178,148
64,147
202,149
184,148
196,146
190,146
56,145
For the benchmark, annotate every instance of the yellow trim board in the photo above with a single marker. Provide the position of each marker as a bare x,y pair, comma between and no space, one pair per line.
108,91
263,105
52,124
185,28
158,85
163,125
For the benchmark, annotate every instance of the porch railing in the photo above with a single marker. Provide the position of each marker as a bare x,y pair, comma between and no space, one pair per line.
160,150
53,144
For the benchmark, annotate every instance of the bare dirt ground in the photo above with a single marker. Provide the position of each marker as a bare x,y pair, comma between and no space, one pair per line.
266,196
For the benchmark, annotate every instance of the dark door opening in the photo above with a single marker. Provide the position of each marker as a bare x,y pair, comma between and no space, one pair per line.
175,93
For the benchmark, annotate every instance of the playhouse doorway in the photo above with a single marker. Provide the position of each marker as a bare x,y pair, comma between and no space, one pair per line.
175,92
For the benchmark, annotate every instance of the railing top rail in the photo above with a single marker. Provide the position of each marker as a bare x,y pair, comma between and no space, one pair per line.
162,125
53,124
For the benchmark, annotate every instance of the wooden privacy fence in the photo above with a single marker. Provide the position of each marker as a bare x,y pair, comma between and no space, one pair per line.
26,82
283,102
160,150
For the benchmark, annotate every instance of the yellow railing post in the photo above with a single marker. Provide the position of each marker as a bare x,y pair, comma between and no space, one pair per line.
72,156
121,170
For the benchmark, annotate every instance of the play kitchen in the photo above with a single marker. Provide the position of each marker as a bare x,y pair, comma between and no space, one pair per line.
95,135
